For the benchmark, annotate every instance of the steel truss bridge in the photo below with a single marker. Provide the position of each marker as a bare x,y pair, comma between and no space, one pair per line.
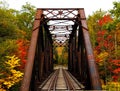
60,27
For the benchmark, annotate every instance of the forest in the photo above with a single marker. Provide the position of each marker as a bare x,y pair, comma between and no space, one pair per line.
15,33
104,28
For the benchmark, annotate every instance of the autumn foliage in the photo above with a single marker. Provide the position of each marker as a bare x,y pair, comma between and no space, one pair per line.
116,69
13,75
14,65
105,19
22,51
104,50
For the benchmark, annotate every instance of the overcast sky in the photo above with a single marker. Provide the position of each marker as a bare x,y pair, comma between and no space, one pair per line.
90,6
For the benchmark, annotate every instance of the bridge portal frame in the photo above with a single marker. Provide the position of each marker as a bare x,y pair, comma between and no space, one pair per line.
81,51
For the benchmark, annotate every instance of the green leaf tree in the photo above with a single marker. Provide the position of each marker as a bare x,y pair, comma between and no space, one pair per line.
26,18
93,25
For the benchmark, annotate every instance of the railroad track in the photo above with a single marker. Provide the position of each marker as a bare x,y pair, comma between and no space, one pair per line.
61,80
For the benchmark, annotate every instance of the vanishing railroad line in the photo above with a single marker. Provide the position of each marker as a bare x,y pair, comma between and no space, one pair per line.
61,80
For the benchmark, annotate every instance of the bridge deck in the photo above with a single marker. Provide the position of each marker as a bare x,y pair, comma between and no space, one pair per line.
62,80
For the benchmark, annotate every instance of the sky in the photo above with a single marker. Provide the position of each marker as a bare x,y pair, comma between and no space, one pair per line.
90,6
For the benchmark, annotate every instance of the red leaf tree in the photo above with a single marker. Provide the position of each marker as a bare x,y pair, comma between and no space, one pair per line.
105,43
104,20
22,51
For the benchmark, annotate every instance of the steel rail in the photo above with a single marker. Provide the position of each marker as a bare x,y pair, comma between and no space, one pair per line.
70,86
69,83
76,81
43,84
52,85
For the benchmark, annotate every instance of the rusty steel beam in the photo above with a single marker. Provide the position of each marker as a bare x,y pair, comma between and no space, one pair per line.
74,58
51,57
41,68
49,35
60,19
73,32
60,8
70,57
74,52
48,19
79,63
93,72
55,19
80,52
41,53
31,54
46,53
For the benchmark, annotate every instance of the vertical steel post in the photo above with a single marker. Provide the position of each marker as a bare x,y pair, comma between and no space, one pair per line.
74,54
41,68
31,53
70,57
94,76
46,53
50,58
79,52
41,53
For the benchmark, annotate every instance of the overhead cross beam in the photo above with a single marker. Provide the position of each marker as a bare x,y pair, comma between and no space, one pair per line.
58,20
60,14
